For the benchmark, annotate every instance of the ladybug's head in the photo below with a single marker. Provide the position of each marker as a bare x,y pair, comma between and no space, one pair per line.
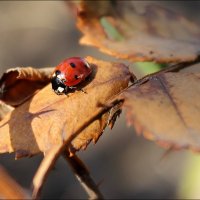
57,82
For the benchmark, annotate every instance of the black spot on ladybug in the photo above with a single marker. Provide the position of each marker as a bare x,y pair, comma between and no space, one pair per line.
72,65
57,72
76,77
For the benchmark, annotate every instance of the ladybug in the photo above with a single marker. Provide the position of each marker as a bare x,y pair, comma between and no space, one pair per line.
69,73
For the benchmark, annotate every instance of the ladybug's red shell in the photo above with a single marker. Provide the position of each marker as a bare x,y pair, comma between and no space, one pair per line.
75,70
70,73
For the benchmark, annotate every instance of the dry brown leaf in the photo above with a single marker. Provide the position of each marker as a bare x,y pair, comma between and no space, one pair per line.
119,29
166,109
9,189
48,119
19,84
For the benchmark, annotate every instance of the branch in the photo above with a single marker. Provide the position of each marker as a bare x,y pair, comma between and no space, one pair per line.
83,176
178,66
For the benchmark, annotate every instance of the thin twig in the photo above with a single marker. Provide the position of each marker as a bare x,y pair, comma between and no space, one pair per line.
178,66
83,176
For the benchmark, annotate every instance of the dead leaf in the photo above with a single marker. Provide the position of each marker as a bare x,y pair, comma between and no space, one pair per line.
120,29
48,119
166,109
9,189
19,84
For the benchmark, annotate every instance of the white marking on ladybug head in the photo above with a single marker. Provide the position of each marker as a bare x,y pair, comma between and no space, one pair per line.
54,74
60,89
61,76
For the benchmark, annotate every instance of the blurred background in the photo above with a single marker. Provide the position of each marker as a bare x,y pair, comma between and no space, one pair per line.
43,33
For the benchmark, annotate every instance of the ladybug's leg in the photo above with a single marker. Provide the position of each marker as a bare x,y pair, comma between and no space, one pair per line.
82,90
76,88
65,90
72,87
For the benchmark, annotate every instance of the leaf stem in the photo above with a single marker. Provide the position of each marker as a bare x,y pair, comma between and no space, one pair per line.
83,176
